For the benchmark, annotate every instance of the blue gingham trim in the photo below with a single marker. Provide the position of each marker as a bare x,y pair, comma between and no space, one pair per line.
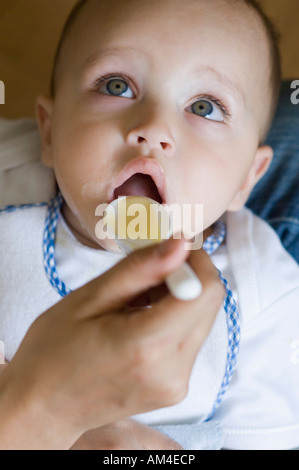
232,316
49,245
213,242
210,245
13,208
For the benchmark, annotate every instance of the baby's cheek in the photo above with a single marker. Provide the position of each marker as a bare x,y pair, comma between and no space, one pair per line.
93,191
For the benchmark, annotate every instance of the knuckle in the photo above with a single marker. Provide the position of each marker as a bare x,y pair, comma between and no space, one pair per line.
121,444
116,444
136,268
174,392
138,354
135,261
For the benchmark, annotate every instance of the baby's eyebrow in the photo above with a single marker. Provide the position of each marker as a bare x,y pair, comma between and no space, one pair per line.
224,80
113,51
218,77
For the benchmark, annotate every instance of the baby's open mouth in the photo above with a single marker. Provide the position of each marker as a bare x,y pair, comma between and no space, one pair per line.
139,185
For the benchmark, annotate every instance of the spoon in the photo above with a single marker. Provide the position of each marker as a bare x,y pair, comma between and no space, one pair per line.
154,225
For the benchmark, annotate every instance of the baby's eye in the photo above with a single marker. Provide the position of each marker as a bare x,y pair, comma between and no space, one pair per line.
117,87
207,109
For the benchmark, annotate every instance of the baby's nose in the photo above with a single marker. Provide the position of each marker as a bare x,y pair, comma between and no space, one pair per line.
153,136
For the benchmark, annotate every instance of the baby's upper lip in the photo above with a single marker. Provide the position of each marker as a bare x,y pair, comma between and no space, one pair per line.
145,165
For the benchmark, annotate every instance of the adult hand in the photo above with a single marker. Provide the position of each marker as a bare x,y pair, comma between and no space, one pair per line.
89,360
126,434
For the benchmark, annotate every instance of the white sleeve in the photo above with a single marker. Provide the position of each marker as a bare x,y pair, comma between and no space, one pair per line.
23,178
196,436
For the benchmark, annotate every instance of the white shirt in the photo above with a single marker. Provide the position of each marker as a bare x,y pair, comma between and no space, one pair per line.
261,406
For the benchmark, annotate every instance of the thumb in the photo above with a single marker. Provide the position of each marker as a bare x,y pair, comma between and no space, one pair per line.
135,274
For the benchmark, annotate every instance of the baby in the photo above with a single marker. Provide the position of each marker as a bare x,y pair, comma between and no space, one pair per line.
173,100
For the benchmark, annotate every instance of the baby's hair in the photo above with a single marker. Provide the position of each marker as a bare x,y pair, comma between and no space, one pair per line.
275,74
73,15
272,34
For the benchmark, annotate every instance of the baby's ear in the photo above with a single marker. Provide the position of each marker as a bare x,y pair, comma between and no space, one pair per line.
262,161
43,114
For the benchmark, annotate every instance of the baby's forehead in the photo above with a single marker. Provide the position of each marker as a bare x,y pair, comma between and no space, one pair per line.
170,26
169,9
106,15
214,30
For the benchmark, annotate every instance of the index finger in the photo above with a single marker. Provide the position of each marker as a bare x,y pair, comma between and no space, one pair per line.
178,317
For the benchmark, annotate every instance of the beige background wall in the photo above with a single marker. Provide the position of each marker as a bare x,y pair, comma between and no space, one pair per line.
29,31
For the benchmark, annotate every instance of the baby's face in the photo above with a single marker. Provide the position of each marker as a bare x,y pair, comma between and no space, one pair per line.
175,90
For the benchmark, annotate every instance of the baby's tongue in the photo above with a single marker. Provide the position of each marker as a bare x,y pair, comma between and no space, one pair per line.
139,185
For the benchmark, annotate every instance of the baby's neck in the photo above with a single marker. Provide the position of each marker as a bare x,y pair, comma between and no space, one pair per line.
76,228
